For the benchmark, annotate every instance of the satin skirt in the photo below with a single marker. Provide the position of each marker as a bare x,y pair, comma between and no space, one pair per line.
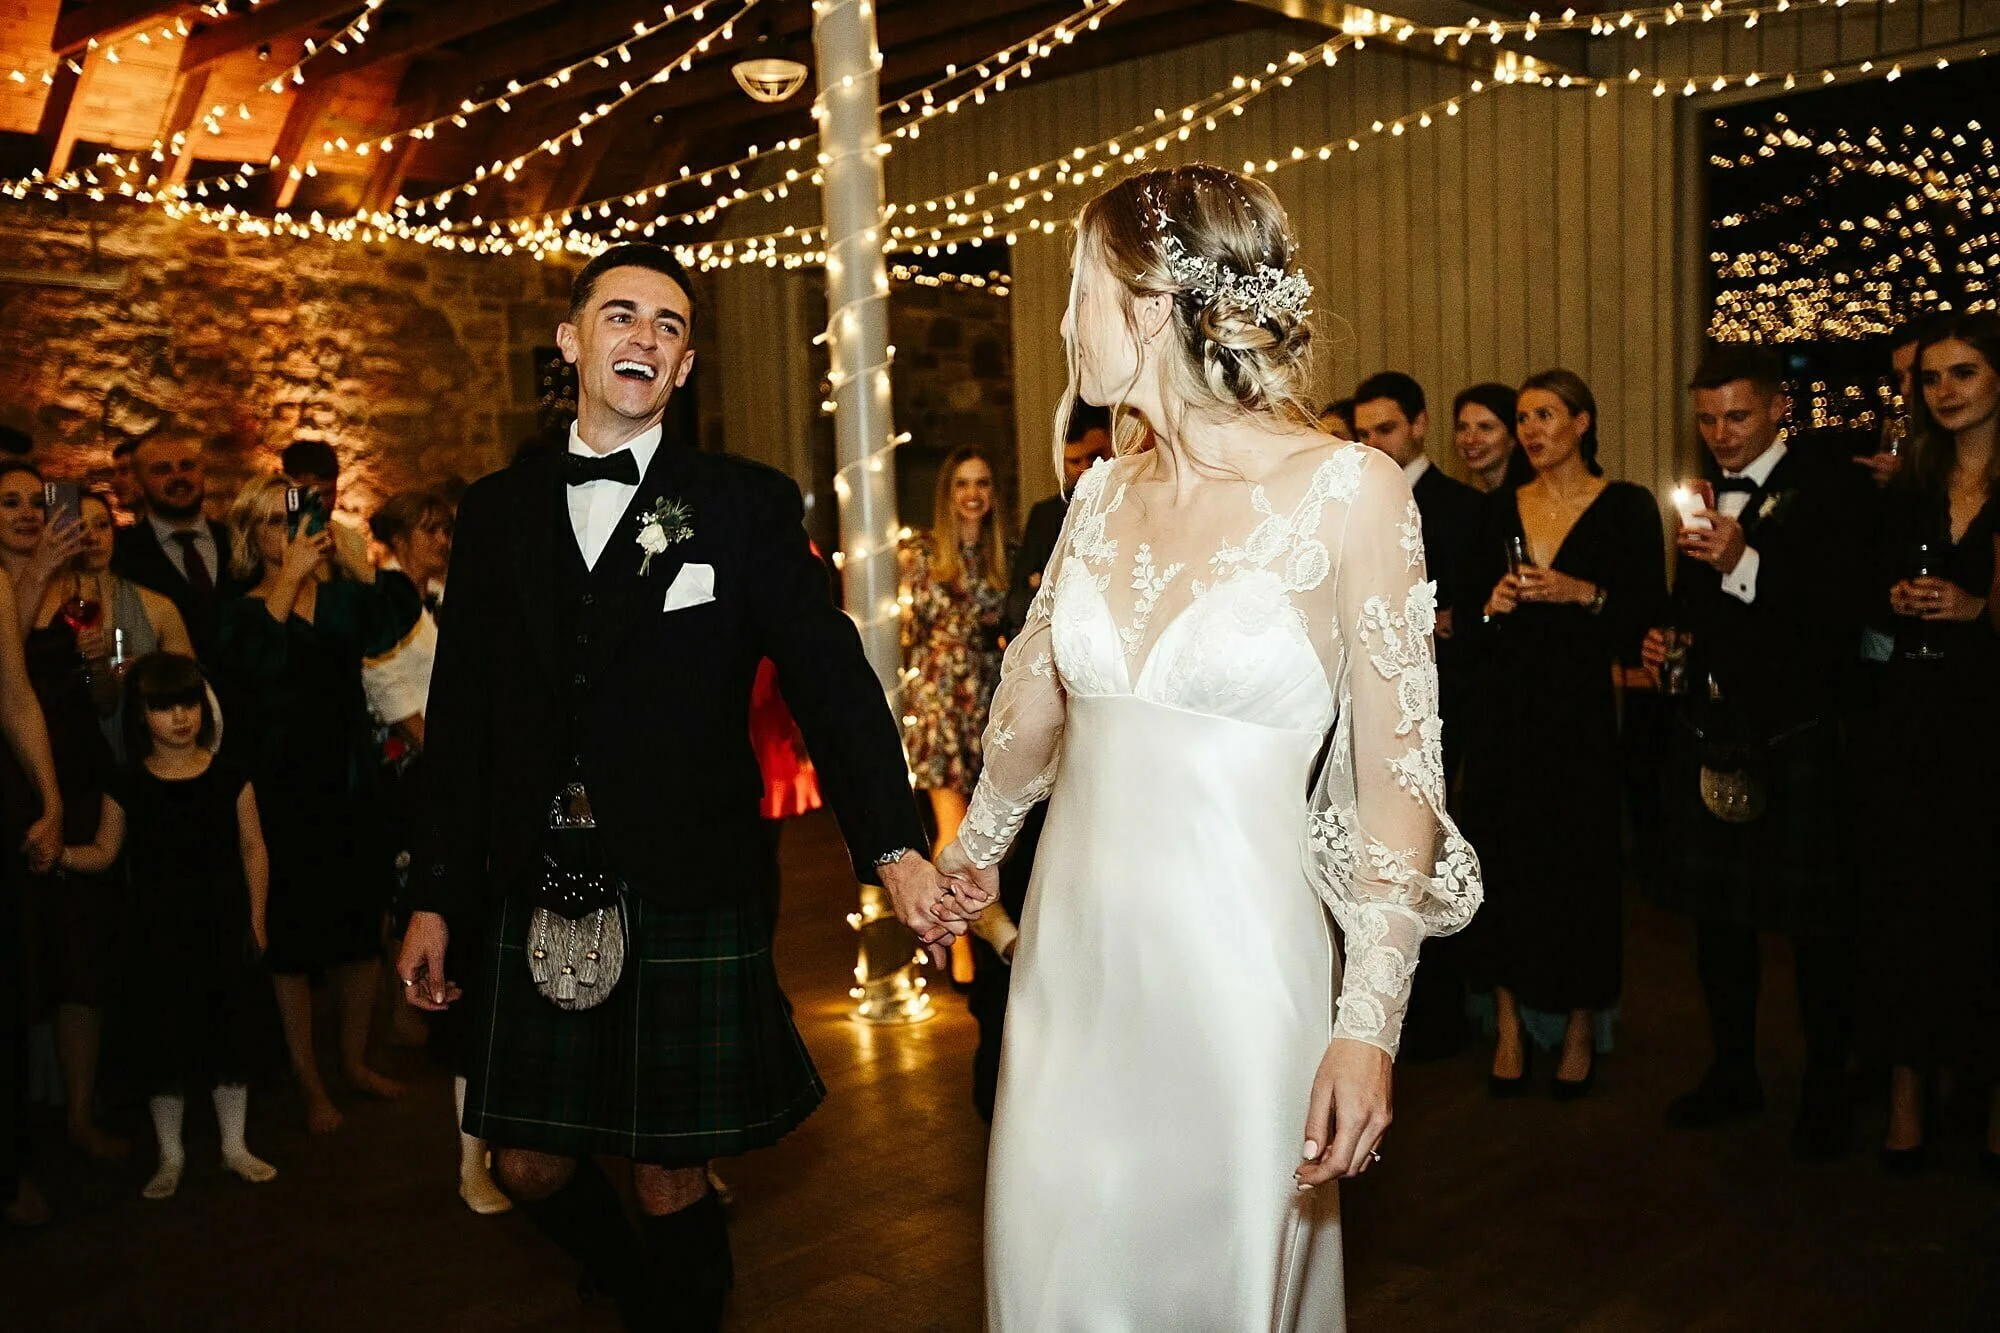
1171,999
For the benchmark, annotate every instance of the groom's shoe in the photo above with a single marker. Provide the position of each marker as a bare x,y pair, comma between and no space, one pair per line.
1721,1096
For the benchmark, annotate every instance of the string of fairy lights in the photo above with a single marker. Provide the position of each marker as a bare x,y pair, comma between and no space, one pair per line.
970,213
992,73
1928,241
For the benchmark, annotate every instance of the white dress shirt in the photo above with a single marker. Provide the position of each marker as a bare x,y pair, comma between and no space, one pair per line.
204,542
596,507
1416,468
1741,582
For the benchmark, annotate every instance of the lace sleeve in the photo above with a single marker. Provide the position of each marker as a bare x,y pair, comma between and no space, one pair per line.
1380,849
1025,723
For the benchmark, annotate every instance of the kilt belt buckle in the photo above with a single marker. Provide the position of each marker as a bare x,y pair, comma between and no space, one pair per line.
1736,788
577,935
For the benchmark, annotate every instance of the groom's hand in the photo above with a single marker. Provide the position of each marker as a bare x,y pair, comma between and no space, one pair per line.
421,962
921,898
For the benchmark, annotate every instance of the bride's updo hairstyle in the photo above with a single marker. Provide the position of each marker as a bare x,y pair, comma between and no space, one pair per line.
1221,246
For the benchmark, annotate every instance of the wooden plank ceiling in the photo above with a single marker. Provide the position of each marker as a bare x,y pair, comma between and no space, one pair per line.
127,74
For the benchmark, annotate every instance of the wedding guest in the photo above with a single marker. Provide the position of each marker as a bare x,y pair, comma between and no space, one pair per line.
1482,422
955,578
175,550
135,620
294,644
1577,574
33,551
1933,747
1767,593
75,920
186,823
314,465
1337,419
1087,440
33,813
124,481
1886,462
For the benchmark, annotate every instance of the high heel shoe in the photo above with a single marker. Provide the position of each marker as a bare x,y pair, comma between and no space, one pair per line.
1503,1088
1569,1090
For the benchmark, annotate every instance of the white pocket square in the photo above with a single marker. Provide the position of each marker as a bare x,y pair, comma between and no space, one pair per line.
693,586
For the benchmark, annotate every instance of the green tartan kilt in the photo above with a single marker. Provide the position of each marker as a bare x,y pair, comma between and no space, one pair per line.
693,1057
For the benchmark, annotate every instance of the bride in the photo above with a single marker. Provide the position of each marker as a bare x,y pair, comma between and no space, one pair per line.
1225,691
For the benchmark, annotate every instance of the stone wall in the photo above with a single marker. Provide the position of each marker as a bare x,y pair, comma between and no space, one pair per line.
416,365
953,385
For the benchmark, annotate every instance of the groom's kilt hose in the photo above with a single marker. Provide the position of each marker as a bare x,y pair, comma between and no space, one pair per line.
693,1056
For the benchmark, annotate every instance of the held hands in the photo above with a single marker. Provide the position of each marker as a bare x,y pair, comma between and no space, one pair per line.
1348,1113
421,963
1719,546
937,908
1935,599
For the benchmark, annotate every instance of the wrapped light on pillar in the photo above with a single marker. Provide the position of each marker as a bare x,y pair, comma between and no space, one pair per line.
887,986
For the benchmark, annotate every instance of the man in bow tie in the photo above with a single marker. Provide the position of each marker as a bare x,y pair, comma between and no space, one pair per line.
610,607
1767,595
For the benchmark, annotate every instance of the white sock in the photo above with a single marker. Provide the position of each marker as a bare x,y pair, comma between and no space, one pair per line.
168,1113
232,1109
475,1174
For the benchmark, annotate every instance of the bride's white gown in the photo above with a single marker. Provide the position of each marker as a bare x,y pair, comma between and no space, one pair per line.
1174,986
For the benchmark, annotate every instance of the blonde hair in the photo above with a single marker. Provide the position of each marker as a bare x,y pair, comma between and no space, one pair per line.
245,512
946,566
1232,362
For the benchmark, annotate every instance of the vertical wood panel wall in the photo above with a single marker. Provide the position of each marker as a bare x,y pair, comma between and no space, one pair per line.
1536,228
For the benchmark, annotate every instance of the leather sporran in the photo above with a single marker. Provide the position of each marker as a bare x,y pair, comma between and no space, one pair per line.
1733,795
577,935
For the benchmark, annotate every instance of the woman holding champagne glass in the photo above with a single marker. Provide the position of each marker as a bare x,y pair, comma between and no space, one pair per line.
1577,572
1933,750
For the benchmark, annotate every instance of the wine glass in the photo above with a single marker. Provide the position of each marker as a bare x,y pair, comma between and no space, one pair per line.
1919,645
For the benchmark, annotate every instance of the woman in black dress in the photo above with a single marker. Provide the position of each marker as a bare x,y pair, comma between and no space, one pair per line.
1932,753
1577,571
293,648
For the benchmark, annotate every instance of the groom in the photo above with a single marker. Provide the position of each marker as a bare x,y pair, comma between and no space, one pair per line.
609,610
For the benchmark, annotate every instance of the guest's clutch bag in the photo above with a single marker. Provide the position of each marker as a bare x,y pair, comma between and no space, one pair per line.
577,935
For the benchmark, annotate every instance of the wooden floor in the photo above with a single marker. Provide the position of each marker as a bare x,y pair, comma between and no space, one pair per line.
1492,1216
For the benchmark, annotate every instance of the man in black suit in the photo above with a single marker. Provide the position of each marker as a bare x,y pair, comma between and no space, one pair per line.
1768,588
1390,415
610,606
173,549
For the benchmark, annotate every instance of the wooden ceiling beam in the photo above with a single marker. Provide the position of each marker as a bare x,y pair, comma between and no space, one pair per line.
78,28
212,42
425,31
309,104
192,88
57,130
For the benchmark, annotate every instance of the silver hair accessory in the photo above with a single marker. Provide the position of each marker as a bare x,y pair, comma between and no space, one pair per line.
1266,294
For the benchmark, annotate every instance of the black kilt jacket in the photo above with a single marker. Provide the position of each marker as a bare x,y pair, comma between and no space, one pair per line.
651,706
1781,664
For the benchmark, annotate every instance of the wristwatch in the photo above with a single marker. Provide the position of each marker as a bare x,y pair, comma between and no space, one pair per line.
887,859
1595,606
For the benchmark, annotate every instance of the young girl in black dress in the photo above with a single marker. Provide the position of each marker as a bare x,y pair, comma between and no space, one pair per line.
194,854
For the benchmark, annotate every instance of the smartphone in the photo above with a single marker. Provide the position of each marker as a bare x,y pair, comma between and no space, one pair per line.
1693,505
303,506
62,497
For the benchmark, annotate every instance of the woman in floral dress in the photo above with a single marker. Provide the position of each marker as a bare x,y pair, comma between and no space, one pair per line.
955,593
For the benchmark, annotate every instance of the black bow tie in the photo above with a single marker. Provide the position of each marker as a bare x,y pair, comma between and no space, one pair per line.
1728,484
619,465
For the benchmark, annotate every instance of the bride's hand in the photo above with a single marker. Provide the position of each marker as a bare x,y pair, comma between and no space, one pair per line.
1348,1114
978,889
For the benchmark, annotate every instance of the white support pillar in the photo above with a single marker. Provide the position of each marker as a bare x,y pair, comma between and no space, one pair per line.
887,987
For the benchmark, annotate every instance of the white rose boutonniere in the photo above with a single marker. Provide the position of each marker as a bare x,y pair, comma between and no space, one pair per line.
668,522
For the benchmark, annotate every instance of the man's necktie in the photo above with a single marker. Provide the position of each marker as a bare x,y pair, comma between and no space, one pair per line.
1740,484
198,574
618,466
